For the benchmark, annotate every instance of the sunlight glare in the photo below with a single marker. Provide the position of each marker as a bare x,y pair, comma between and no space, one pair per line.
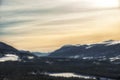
107,3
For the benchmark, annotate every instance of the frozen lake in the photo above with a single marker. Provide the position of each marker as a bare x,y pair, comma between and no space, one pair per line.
70,75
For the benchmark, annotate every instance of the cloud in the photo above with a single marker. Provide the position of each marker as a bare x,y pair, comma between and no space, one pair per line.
48,24
13,23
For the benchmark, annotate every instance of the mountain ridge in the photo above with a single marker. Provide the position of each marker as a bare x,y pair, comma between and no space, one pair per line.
110,48
9,51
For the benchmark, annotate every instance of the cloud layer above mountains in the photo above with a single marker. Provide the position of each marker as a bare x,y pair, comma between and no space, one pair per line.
44,25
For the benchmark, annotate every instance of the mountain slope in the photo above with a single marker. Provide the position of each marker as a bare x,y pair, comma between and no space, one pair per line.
7,49
9,53
106,49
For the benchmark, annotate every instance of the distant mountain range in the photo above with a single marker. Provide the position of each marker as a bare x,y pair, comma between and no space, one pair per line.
106,49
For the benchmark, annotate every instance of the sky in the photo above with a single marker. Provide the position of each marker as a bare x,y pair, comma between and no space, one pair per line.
46,25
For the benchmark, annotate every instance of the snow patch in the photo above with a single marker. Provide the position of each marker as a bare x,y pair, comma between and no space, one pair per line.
107,43
9,57
89,46
113,43
114,58
30,57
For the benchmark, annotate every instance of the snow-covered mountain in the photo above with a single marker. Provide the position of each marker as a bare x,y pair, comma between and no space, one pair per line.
106,49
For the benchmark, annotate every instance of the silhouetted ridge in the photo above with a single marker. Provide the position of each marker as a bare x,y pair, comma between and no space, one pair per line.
5,48
109,41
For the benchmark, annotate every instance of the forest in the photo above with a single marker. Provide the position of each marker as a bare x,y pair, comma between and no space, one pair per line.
23,70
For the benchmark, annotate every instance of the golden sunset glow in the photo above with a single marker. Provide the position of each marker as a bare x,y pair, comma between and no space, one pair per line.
38,25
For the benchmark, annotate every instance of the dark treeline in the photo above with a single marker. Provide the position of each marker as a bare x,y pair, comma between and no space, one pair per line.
23,70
